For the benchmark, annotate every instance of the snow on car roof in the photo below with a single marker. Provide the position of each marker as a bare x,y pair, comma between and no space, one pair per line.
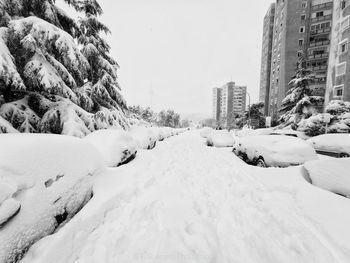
331,142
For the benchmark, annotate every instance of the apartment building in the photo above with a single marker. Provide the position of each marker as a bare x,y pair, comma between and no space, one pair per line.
216,103
266,53
290,40
319,44
302,28
228,101
338,76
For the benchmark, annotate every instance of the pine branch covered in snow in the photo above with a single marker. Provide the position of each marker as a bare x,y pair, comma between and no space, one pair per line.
300,102
56,74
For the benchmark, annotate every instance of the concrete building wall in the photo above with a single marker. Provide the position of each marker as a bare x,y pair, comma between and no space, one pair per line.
338,77
266,54
216,103
290,41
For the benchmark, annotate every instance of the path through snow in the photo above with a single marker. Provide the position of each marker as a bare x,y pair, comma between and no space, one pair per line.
186,202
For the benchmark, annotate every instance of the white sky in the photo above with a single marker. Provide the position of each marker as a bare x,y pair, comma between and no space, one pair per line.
184,48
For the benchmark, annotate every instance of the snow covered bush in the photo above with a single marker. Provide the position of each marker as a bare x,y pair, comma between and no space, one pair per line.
56,74
116,147
338,112
45,180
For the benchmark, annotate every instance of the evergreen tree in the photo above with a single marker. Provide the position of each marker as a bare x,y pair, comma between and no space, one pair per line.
49,83
300,102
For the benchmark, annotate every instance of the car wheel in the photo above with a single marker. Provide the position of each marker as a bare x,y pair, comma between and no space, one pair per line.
261,163
344,155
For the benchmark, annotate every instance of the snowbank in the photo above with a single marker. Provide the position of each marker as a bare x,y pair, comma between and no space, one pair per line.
332,175
115,146
337,143
220,139
145,137
275,150
205,132
44,181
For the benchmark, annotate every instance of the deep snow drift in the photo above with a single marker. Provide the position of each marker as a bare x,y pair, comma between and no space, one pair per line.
186,202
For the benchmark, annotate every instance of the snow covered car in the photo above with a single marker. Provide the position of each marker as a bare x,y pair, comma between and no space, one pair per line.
220,139
331,175
273,150
291,133
44,181
336,145
116,147
145,138
204,132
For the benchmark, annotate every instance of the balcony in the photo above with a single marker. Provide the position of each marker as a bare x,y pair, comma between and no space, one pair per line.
322,6
320,43
320,31
317,68
321,18
318,56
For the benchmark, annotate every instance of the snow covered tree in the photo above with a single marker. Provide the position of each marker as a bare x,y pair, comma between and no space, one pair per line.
300,102
50,83
338,112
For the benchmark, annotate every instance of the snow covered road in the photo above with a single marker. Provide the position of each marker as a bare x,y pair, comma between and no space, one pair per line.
186,202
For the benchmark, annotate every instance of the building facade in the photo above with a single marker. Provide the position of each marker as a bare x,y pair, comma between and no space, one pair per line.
266,53
302,28
321,14
216,103
290,40
228,101
338,76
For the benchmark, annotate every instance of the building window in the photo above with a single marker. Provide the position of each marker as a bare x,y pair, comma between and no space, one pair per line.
340,69
343,46
343,4
300,53
319,14
345,23
303,17
302,29
301,42
338,92
304,4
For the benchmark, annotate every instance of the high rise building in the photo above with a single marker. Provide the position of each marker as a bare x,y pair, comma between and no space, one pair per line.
216,103
319,44
266,53
290,39
338,77
301,29
228,101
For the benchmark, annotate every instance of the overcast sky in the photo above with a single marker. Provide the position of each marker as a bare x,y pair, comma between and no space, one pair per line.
178,50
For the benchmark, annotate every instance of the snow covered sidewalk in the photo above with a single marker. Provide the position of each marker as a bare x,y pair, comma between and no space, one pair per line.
186,202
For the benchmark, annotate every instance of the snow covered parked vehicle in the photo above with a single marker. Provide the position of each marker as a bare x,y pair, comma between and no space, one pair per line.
273,150
117,147
44,181
331,175
220,138
145,138
336,145
205,132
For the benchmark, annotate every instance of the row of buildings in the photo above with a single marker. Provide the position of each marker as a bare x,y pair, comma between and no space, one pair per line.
228,101
318,31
